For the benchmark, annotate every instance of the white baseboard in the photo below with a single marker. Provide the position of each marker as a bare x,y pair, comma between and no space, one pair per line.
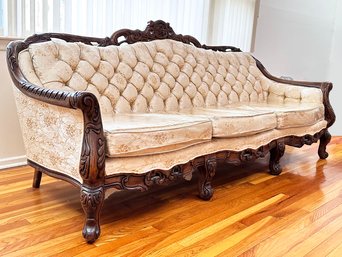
12,162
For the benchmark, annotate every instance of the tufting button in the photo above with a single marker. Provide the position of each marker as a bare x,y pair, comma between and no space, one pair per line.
178,60
164,90
106,69
198,100
130,93
190,60
222,99
142,69
110,55
100,82
215,88
119,81
200,70
173,69
90,54
187,69
191,90
183,79
147,91
137,80
140,104
196,79
226,88
158,69
127,55
85,70
125,70
112,93
178,90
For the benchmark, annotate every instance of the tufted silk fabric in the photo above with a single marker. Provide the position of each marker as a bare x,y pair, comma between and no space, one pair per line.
157,76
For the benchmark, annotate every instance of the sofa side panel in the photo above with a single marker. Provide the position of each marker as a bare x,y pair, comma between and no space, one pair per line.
52,135
279,93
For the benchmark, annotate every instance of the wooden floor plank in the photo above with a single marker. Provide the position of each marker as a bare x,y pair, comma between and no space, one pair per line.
252,213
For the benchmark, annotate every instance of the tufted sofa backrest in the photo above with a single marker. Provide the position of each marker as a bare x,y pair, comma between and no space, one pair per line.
156,76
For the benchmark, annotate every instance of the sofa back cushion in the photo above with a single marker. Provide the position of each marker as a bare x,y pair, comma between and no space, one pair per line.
156,76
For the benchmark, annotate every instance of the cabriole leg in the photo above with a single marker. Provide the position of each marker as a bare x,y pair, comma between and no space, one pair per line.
92,202
323,142
206,173
37,177
275,154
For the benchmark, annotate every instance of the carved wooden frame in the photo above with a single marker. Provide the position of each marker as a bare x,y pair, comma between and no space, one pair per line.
92,161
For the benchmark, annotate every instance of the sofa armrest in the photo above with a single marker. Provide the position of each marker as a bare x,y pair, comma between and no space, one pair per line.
308,92
92,158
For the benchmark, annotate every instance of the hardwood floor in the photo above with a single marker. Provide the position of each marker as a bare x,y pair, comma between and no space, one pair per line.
298,213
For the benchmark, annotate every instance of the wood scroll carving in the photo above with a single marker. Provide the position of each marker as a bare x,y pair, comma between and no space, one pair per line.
92,201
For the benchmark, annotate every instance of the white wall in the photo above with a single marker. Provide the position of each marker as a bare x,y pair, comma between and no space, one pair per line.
11,145
302,39
335,69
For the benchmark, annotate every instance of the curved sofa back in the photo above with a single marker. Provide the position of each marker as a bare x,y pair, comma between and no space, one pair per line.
157,76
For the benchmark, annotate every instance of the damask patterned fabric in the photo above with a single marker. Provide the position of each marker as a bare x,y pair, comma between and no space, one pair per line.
236,121
150,133
53,135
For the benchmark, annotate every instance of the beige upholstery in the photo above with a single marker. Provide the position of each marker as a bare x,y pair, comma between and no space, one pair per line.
141,134
163,103
232,121
292,114
279,93
162,75
53,135
142,164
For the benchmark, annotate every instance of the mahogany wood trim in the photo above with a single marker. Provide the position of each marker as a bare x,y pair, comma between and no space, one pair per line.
206,174
323,142
275,154
37,178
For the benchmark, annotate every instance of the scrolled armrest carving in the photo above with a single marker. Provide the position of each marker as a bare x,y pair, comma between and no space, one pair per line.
92,164
329,114
55,97
92,161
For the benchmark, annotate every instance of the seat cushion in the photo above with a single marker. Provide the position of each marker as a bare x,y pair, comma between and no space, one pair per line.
233,122
141,134
292,115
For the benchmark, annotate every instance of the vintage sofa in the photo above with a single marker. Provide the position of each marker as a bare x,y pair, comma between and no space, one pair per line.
108,115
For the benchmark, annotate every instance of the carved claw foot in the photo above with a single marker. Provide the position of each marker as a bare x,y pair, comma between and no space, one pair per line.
37,177
206,173
275,154
323,142
92,201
